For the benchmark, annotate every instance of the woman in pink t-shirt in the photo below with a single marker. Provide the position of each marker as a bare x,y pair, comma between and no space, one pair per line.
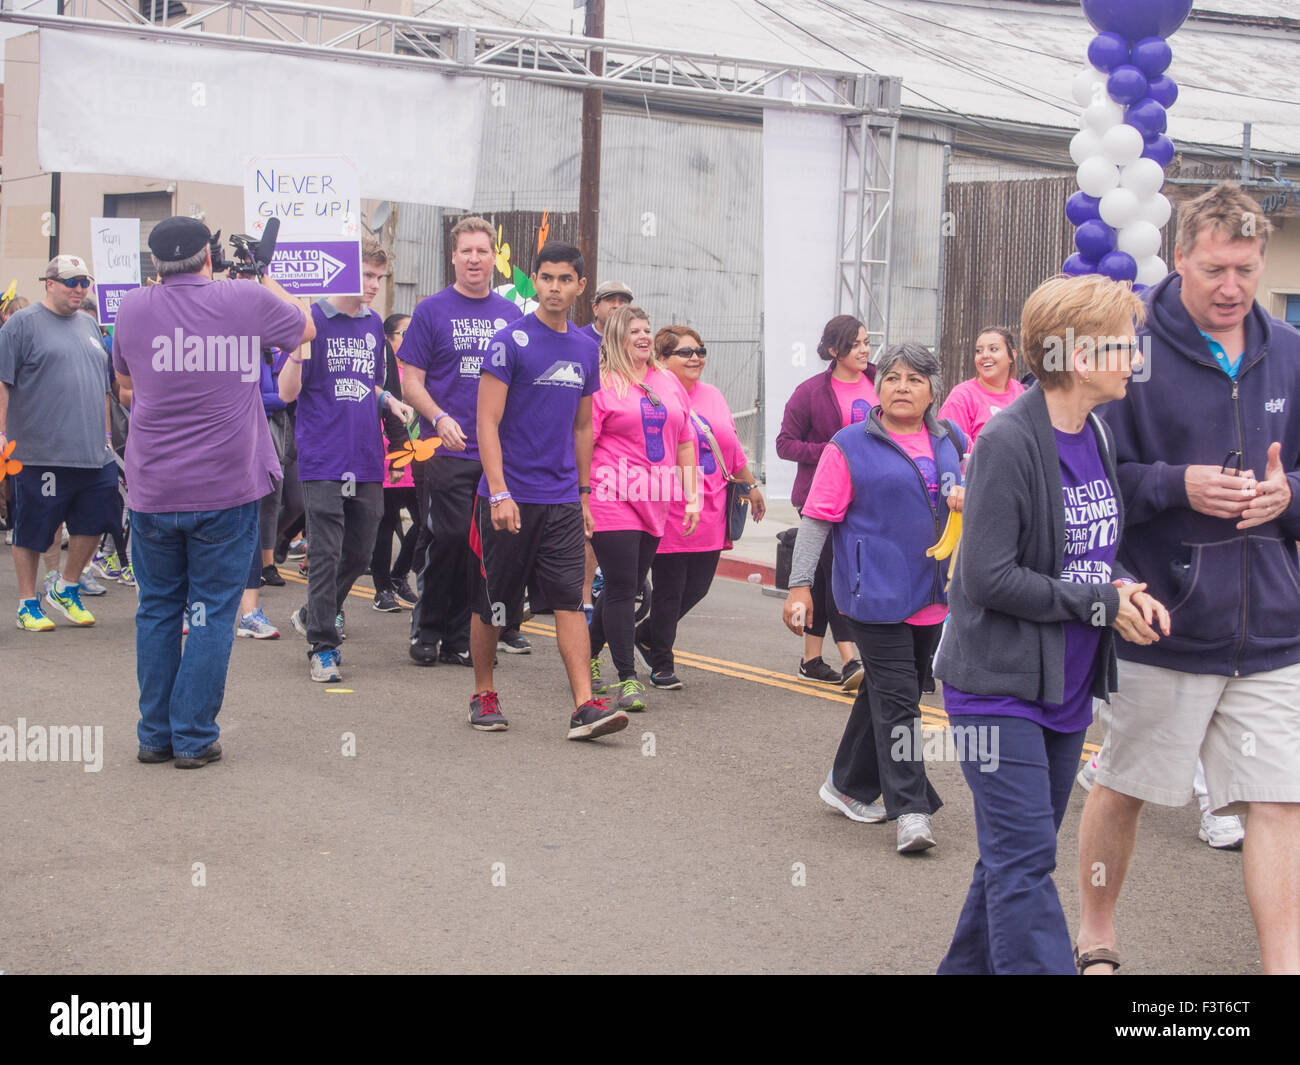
643,456
684,565
993,388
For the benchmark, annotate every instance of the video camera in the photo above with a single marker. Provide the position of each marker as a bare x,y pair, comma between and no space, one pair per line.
251,256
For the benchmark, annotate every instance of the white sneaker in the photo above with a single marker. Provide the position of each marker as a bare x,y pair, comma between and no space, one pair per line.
91,586
1088,774
854,809
256,626
914,833
1221,833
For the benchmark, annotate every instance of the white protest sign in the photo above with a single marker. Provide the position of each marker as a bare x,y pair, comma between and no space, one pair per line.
318,202
115,252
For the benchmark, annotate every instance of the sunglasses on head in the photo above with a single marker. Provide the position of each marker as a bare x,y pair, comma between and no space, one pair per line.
76,282
686,353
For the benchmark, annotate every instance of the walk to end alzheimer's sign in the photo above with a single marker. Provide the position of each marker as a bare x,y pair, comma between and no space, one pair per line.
318,202
115,251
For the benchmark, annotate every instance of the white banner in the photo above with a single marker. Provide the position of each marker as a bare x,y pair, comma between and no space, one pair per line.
111,105
115,252
801,165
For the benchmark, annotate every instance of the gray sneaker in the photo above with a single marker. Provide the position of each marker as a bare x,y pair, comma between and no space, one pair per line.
630,695
89,585
325,666
298,619
914,833
855,809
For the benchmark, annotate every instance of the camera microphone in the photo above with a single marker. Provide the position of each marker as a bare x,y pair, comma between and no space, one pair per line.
266,246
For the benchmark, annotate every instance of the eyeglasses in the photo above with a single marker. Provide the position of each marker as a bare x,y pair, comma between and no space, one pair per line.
398,333
686,353
75,282
1231,464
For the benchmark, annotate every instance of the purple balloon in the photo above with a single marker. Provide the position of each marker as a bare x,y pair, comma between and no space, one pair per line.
1076,265
1161,149
1081,208
1135,19
1152,56
1094,239
1118,266
1163,90
1148,118
1107,51
1126,84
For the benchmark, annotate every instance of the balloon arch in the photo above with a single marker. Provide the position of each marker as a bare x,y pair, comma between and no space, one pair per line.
1122,148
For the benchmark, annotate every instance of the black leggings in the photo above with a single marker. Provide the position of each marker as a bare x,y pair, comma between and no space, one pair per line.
625,558
383,570
682,579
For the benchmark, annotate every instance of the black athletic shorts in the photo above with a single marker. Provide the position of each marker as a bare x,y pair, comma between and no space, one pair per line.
547,556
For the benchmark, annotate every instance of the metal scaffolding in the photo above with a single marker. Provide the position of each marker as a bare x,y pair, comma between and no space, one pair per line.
686,80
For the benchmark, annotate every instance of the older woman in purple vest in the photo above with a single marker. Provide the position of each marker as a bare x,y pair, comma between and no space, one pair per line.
882,491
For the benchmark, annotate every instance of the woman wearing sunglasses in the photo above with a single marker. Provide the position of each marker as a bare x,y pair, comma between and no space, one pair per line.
1037,599
643,456
684,565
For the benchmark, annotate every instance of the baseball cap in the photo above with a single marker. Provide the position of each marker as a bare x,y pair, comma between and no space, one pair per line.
178,238
611,288
65,268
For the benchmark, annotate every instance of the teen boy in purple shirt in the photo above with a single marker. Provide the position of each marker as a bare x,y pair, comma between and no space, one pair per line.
340,453
198,459
532,517
445,344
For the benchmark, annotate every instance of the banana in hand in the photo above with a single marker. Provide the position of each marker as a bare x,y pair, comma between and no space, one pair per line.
948,541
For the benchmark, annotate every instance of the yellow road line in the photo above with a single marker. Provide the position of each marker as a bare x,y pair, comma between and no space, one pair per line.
930,715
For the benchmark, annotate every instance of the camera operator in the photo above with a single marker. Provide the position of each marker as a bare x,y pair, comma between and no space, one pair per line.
198,460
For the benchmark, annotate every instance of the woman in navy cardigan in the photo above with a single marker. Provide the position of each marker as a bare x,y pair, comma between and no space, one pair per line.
818,409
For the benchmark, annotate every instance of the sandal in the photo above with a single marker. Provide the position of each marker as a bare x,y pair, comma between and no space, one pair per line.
1099,956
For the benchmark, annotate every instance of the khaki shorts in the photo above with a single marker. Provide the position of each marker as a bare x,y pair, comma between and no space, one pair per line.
1246,731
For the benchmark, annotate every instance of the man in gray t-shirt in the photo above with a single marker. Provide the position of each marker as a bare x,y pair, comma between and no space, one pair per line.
53,387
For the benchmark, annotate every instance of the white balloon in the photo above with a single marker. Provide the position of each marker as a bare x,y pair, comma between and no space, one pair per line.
1156,210
1097,176
1084,87
1119,208
1122,144
1145,176
1151,271
1087,143
1140,239
1102,114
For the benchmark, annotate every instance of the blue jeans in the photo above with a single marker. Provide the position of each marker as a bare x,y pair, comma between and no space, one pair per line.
198,558
1012,921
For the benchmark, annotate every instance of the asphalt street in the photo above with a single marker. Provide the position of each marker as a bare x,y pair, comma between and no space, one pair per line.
692,842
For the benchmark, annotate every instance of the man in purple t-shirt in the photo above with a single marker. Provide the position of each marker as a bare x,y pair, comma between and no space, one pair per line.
340,453
446,341
198,459
532,517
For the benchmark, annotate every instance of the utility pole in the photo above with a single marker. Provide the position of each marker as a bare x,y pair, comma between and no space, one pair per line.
56,194
589,180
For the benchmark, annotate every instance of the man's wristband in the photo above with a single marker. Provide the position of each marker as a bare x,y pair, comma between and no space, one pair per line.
383,396
500,497
584,489
439,418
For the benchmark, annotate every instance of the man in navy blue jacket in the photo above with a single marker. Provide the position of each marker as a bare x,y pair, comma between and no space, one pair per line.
1208,454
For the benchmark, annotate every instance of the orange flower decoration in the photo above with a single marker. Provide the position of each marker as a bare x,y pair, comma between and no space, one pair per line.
414,449
8,466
